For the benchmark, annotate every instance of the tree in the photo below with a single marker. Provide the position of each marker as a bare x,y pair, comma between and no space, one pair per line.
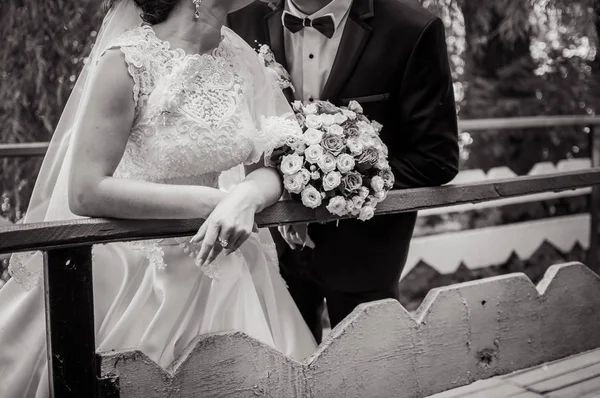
44,45
504,76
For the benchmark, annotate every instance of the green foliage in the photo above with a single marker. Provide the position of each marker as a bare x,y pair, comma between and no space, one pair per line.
43,47
522,58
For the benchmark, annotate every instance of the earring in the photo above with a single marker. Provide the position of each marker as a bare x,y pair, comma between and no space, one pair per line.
197,4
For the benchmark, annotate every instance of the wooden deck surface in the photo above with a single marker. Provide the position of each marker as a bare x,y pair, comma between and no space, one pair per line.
573,377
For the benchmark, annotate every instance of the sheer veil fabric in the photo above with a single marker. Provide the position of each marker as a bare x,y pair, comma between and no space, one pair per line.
49,198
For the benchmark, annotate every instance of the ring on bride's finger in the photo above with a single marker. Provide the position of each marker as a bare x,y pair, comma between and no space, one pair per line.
223,242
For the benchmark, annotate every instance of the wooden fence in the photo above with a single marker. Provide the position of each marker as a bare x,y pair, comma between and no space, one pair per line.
522,239
460,333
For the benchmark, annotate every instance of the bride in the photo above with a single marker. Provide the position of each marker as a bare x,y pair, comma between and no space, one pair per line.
169,99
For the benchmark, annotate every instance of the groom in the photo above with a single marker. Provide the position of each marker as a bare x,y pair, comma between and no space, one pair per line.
391,57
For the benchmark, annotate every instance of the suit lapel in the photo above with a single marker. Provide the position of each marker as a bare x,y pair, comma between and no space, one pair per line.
274,28
354,39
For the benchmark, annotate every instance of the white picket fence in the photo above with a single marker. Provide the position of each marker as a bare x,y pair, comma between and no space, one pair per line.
478,248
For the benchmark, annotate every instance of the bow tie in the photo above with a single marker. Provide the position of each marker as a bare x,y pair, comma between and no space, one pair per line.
324,24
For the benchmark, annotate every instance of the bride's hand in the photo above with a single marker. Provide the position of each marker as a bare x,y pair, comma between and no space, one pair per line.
229,225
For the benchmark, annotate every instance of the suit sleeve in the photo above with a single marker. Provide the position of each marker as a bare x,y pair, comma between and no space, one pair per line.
425,151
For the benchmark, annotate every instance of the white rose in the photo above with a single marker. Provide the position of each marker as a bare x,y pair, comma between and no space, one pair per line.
311,198
337,206
297,105
311,109
388,177
327,120
345,163
291,164
327,163
332,180
358,201
380,196
366,213
365,128
378,144
371,201
382,163
312,136
296,143
313,121
377,184
350,208
349,114
335,129
315,175
314,153
340,118
377,126
363,193
355,107
305,175
293,183
355,145
367,140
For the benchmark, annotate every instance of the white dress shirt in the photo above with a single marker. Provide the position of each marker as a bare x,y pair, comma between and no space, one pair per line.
309,53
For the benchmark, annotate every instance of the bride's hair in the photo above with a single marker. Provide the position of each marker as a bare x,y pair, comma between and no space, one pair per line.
153,11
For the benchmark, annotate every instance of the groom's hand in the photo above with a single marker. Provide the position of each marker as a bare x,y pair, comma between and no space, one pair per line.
296,236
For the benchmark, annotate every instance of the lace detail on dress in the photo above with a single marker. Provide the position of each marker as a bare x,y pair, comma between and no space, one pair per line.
274,131
211,270
192,121
25,269
270,251
152,250
142,57
138,83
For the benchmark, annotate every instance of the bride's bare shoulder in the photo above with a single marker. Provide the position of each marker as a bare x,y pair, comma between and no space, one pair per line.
112,83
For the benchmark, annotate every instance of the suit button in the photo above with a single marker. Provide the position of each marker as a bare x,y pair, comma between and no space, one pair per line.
311,99
311,56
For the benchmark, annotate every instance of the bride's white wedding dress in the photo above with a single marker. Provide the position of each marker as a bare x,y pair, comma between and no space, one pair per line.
196,116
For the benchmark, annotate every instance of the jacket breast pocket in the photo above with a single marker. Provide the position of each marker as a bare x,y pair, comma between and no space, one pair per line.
366,99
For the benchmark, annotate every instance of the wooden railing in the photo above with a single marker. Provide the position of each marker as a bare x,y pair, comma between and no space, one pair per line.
581,226
460,333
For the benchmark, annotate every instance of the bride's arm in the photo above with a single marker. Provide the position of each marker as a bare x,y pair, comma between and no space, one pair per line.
263,185
98,148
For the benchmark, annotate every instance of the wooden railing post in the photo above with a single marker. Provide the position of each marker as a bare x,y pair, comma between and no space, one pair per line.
70,332
592,260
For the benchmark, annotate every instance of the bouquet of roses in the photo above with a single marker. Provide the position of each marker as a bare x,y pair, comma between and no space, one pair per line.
339,162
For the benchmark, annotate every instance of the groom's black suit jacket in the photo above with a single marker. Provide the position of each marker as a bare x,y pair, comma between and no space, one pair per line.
393,60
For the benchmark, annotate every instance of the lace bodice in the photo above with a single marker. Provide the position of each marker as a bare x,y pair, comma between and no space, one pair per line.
194,114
